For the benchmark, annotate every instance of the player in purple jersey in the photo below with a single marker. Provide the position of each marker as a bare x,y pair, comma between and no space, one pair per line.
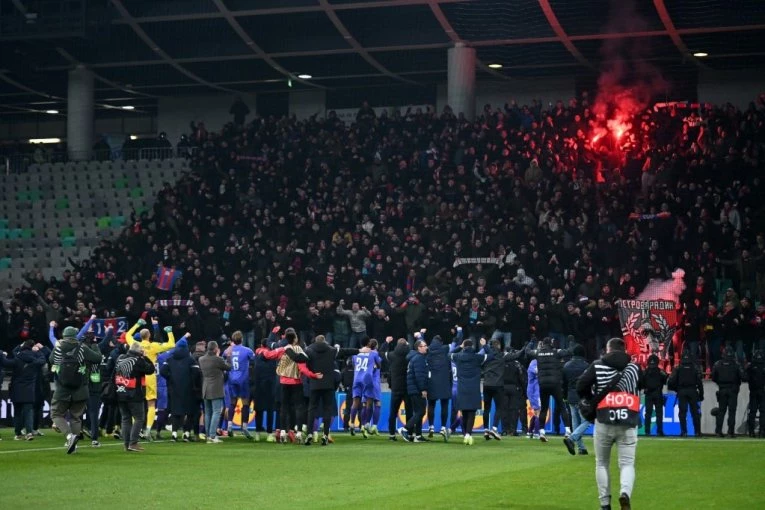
372,392
360,368
238,385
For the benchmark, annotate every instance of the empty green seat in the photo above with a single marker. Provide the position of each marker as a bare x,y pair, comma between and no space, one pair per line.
104,222
14,233
67,232
118,221
120,183
3,233
62,203
27,233
5,262
68,242
22,196
136,192
3,223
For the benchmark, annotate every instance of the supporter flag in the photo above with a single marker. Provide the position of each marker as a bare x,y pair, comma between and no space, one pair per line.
166,277
647,327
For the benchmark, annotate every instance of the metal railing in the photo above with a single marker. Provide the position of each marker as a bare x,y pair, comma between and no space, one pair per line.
20,163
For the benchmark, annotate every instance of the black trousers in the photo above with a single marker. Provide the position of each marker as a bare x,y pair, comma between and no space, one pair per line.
396,399
491,394
347,409
444,412
689,400
293,406
727,401
414,423
94,407
756,402
556,393
654,402
512,402
327,398
181,421
195,416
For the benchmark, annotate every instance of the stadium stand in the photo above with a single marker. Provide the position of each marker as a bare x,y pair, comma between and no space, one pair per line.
57,212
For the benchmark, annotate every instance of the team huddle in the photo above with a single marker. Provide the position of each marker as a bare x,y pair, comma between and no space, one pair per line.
143,381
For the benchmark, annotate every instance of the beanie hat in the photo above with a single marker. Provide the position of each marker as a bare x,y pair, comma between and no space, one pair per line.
182,343
70,332
579,350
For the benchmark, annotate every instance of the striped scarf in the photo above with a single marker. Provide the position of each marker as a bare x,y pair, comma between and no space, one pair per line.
166,303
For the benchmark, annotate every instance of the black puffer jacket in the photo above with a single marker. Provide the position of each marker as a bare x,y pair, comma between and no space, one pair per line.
398,366
549,367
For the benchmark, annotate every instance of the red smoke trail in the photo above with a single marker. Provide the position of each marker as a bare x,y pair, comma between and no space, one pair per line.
628,83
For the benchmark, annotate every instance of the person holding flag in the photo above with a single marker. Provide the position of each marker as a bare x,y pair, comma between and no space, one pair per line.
166,277
152,349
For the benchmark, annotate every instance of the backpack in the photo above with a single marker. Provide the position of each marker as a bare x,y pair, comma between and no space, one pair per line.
71,372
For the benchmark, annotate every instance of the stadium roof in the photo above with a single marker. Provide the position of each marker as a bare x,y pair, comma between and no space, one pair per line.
143,49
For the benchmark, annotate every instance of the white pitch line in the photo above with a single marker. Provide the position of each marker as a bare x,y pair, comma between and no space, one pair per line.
53,448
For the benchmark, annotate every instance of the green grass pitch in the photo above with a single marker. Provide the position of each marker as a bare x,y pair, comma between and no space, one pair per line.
513,473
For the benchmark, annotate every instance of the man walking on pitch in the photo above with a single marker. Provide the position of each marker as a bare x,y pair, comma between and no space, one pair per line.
572,370
612,383
71,394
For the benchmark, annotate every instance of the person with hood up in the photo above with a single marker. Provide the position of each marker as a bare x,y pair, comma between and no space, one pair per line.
70,396
25,367
687,382
728,375
182,373
439,385
617,381
468,363
397,360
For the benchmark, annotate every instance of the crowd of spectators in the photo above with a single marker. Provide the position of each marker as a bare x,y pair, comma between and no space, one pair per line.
352,230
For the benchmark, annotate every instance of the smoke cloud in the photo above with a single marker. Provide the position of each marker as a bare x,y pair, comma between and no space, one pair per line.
671,290
628,82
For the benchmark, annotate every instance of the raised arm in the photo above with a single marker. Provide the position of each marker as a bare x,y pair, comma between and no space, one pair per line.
52,333
170,341
84,330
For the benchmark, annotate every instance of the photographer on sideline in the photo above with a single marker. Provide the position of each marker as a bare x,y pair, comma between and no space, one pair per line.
615,383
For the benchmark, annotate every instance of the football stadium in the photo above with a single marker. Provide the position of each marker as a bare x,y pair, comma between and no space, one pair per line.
393,253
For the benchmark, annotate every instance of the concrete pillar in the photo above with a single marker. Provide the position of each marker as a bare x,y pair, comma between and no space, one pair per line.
79,114
461,84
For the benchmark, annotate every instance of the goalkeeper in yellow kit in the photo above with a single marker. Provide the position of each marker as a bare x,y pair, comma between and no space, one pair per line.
151,350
